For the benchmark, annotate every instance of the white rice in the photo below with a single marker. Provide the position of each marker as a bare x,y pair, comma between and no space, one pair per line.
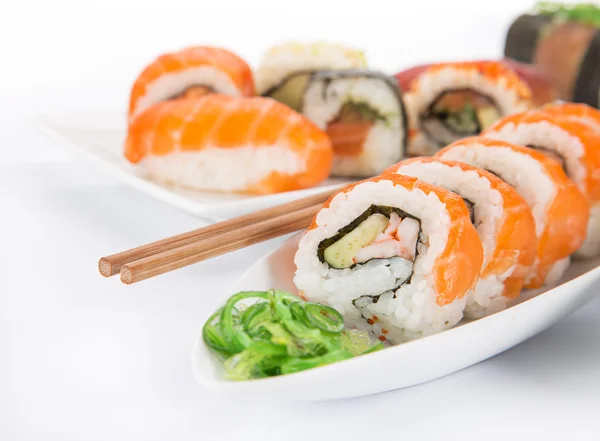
522,172
384,144
591,246
549,136
171,84
280,61
557,271
413,312
222,169
432,84
488,212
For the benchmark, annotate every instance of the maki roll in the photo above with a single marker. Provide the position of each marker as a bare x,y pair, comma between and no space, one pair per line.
559,209
503,221
395,255
565,40
363,114
190,73
287,65
540,82
223,143
573,144
450,101
361,110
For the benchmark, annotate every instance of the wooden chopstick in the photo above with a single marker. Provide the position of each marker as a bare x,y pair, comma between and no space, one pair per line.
111,265
217,245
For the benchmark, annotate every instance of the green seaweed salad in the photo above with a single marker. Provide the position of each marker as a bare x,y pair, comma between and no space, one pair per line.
279,334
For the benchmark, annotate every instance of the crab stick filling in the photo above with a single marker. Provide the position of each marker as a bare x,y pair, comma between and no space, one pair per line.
377,237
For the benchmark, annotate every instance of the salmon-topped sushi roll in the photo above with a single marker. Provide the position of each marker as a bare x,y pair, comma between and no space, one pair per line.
191,73
222,143
450,101
560,210
578,112
574,144
503,221
395,255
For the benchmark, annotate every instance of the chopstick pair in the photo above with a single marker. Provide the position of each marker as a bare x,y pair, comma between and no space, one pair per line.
178,251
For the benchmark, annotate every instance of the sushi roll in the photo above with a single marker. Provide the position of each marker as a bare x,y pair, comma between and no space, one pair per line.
395,255
573,144
578,112
289,65
565,40
450,101
223,143
190,73
503,221
559,209
539,81
363,114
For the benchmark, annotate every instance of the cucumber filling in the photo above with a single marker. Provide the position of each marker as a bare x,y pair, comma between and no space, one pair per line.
379,233
458,113
291,90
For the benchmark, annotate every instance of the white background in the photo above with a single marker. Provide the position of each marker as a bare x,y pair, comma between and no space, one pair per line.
83,358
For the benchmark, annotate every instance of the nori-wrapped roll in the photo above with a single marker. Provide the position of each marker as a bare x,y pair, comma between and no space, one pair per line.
564,39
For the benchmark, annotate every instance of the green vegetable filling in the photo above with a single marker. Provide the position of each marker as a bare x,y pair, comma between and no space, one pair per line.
457,113
291,90
355,111
337,251
280,334
462,121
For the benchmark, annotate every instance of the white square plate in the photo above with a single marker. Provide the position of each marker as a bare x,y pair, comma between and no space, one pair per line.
97,137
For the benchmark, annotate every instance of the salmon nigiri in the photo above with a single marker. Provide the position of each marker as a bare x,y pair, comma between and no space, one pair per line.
222,143
503,221
560,210
190,73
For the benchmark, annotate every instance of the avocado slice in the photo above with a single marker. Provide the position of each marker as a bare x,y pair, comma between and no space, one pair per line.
340,255
291,90
487,116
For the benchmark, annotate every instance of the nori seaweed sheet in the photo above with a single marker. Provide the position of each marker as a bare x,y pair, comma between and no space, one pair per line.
587,85
522,37
373,209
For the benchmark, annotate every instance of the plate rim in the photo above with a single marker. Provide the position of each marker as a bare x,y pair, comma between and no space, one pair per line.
47,123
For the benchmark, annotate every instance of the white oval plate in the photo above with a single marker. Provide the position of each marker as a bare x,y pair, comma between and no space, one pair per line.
407,364
97,138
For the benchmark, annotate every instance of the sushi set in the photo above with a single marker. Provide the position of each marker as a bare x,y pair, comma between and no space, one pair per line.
464,190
